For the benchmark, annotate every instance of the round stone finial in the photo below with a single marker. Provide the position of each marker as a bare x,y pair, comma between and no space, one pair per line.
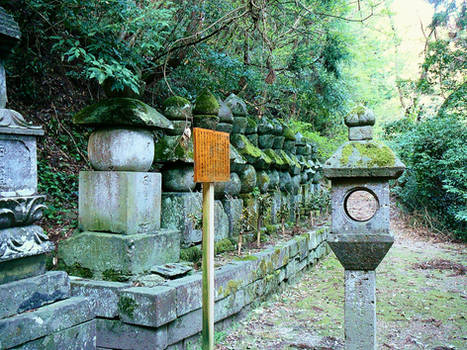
360,122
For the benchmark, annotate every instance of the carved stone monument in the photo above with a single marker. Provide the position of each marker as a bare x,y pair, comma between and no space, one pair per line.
36,310
360,237
120,200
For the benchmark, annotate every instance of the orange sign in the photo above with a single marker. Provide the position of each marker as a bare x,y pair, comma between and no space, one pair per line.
212,155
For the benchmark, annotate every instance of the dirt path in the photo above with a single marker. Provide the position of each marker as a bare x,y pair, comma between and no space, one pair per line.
421,303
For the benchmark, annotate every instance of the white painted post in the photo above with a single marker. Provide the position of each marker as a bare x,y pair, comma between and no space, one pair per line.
208,266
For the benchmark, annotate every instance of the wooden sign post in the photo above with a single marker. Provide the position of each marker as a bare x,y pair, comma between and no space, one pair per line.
212,164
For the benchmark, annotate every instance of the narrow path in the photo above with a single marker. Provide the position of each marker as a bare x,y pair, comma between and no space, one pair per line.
421,303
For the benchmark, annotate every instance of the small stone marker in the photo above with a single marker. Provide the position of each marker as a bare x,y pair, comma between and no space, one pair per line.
360,237
212,164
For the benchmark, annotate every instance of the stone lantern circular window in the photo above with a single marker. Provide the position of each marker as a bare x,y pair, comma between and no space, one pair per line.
361,204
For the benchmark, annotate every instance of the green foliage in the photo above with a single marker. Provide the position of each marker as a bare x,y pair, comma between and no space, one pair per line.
224,245
435,153
192,254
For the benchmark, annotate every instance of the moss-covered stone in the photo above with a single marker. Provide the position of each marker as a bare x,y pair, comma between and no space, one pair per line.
206,121
246,258
177,108
192,254
114,276
236,104
173,149
262,181
288,134
252,126
206,103
250,152
225,113
248,179
127,306
360,116
276,159
265,127
122,112
367,155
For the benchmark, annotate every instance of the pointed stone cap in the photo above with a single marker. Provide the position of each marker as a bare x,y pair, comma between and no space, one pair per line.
122,111
9,33
361,156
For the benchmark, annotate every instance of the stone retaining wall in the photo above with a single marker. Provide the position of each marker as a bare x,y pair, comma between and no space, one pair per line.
168,316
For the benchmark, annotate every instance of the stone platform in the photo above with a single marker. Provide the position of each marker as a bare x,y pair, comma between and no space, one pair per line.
40,313
169,315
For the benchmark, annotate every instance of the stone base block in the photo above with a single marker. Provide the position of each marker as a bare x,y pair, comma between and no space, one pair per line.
34,292
17,269
45,321
116,257
80,337
119,201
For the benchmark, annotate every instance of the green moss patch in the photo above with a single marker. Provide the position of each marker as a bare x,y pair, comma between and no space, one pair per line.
224,245
206,103
127,306
114,276
367,155
192,254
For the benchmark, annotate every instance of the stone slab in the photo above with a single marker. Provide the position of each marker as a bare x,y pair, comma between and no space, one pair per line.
18,165
115,334
233,208
46,320
144,306
80,337
360,310
102,295
119,201
360,133
188,293
172,270
31,293
221,221
116,257
182,212
17,269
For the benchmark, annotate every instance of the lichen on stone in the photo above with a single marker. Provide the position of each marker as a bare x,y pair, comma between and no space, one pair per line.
177,107
367,154
206,103
127,305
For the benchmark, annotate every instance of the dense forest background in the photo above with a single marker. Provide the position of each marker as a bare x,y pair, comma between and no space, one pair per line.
307,62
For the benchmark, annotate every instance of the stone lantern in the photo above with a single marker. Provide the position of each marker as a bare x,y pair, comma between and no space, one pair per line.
360,237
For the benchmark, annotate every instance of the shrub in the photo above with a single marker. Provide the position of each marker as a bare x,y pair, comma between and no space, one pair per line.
435,153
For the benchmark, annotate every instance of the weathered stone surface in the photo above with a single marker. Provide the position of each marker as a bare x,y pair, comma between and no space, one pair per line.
23,241
120,202
294,165
231,188
286,182
120,149
233,208
79,337
277,161
224,127
248,179
252,125
360,116
237,162
185,326
289,146
46,320
178,179
9,31
182,212
357,133
172,270
114,334
32,293
179,127
299,139
150,280
102,295
236,104
117,257
360,310
296,184
262,181
278,142
177,108
19,268
265,127
173,149
253,138
205,121
363,159
120,111
265,141
18,165
188,293
225,113
251,153
221,221
274,179
275,206
145,306
206,104
239,125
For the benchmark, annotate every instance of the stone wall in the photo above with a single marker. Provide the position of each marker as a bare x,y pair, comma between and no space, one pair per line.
168,315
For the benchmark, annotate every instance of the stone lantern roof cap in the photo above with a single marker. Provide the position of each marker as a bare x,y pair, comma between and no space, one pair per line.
9,33
361,156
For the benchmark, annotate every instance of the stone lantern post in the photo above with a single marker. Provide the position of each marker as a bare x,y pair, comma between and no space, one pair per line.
360,237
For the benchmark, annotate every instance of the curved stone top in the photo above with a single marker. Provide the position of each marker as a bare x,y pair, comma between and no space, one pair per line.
363,159
122,111
360,116
11,122
206,104
9,32
237,105
177,108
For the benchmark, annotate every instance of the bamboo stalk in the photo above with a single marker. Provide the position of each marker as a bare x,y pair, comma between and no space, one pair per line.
208,266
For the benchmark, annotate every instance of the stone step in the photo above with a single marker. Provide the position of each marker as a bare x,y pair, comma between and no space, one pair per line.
45,321
32,293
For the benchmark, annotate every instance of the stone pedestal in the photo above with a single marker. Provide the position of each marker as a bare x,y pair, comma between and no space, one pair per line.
119,201
360,310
